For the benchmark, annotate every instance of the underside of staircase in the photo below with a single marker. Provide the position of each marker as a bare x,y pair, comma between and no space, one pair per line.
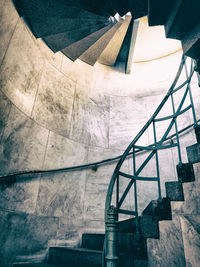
99,30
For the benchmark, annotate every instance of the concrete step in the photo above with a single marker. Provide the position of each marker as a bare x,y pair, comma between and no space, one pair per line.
109,55
148,226
128,243
75,257
193,153
160,210
168,250
59,41
43,26
191,47
174,191
96,7
91,55
190,225
138,8
132,244
26,264
48,8
191,192
127,226
124,50
190,42
107,5
92,241
140,263
76,49
175,26
121,7
185,172
158,11
190,205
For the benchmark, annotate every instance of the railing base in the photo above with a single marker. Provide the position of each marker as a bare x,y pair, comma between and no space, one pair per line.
111,237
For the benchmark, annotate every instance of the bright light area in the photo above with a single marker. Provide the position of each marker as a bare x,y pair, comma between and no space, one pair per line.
151,43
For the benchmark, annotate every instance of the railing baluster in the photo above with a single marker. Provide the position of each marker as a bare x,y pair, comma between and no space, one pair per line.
190,93
135,183
135,192
157,162
117,190
176,129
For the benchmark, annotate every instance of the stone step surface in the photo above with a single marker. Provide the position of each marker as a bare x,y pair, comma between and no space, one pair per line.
191,192
59,41
193,153
75,257
110,53
42,26
168,250
159,209
127,243
75,50
127,226
174,191
59,9
25,264
138,8
175,26
92,241
158,11
91,55
191,42
190,225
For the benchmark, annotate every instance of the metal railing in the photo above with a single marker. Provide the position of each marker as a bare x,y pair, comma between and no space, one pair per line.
160,143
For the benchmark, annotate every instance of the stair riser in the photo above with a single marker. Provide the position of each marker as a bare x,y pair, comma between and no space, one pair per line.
74,258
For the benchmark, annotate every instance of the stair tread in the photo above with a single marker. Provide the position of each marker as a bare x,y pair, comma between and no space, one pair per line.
59,41
110,53
190,205
75,257
191,238
91,55
160,210
76,49
158,11
138,8
52,8
78,249
174,191
169,249
193,153
175,26
26,264
51,25
121,7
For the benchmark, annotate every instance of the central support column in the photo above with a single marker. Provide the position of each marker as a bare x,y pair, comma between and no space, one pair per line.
111,237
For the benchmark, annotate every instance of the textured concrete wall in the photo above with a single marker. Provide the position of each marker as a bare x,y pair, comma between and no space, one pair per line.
56,113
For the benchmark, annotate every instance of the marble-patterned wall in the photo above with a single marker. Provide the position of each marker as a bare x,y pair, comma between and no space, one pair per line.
55,113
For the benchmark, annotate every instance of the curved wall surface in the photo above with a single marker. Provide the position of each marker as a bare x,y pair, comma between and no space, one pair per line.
57,113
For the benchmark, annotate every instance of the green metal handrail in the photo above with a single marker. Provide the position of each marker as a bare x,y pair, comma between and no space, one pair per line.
152,149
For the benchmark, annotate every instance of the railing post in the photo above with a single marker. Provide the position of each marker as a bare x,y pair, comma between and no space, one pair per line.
111,237
157,163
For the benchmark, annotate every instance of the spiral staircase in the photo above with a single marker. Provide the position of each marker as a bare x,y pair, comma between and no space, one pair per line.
91,31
